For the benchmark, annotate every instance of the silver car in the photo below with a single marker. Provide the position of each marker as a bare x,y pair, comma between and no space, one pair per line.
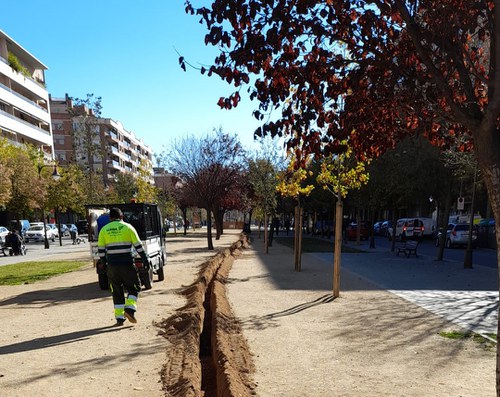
458,234
36,233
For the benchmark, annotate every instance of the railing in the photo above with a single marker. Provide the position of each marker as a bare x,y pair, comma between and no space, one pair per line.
23,97
24,122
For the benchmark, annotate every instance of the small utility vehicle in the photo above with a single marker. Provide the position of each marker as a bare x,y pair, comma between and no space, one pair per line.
147,220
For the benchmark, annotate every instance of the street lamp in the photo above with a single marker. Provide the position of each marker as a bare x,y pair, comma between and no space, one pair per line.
55,176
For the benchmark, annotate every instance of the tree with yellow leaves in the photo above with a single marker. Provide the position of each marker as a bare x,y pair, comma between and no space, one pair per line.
339,174
291,184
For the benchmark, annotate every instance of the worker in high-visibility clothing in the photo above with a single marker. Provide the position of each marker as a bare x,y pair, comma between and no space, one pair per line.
115,251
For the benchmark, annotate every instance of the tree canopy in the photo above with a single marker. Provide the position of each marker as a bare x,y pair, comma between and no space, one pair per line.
369,71
209,169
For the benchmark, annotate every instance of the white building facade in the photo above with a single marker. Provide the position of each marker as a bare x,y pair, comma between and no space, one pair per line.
24,100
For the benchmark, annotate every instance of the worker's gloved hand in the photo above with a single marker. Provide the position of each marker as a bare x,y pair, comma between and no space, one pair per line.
147,265
104,265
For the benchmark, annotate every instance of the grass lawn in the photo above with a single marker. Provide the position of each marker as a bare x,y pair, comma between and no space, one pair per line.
30,272
312,244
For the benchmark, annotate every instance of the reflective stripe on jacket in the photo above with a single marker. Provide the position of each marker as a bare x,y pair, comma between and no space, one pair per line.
115,243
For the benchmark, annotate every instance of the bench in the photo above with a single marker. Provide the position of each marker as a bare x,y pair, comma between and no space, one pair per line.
407,247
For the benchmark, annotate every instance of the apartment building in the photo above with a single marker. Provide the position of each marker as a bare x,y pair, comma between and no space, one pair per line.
99,144
24,100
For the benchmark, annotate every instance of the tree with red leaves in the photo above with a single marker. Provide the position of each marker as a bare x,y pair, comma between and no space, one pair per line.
209,169
369,71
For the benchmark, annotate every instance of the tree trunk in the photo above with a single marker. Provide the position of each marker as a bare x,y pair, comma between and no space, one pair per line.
487,150
393,233
337,251
372,232
209,229
270,236
250,213
184,219
58,225
442,224
219,219
297,246
266,234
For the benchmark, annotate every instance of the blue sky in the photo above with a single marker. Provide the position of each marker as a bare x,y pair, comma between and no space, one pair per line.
125,52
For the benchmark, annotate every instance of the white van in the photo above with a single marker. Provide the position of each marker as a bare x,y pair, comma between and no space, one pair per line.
408,228
429,230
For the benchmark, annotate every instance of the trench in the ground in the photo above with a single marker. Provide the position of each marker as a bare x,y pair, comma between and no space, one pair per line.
208,369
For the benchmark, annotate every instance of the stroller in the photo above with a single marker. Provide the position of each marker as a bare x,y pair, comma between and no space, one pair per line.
14,243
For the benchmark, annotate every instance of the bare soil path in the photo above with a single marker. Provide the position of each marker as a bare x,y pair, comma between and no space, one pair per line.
57,336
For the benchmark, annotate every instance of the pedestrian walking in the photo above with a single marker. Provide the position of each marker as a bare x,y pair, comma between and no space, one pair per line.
115,251
73,232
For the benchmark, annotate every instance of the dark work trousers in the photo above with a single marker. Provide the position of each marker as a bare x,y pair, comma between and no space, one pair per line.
123,277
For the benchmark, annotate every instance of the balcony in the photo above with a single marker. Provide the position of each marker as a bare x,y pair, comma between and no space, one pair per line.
23,128
113,164
24,104
113,135
26,82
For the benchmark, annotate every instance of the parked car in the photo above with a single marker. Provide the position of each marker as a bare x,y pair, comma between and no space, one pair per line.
36,233
3,233
377,228
384,228
53,226
458,234
352,231
407,228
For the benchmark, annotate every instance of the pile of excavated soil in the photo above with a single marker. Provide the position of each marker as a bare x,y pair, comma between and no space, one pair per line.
208,355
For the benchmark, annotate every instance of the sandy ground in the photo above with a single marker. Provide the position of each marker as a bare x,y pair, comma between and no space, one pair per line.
57,337
368,342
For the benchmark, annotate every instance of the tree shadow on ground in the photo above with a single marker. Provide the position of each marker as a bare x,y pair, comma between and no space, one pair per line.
57,296
50,341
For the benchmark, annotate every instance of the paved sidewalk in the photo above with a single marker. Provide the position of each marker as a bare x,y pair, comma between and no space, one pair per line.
380,338
466,297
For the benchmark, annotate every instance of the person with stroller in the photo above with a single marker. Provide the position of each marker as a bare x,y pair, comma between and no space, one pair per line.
15,241
73,232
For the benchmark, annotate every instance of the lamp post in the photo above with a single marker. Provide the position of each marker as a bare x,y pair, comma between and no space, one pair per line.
55,175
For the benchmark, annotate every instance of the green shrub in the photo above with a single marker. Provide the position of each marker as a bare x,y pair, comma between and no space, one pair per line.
16,64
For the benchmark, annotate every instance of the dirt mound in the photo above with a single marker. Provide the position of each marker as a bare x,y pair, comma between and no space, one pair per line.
208,355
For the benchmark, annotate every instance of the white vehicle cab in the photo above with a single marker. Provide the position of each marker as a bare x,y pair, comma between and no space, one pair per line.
147,221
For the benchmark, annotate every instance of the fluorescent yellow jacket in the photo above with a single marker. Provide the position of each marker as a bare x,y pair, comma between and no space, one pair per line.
115,244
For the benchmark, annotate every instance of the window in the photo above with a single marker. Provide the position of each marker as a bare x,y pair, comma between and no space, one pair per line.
57,125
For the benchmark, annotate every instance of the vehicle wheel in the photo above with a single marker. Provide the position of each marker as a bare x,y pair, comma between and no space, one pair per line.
147,278
448,243
160,273
103,281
